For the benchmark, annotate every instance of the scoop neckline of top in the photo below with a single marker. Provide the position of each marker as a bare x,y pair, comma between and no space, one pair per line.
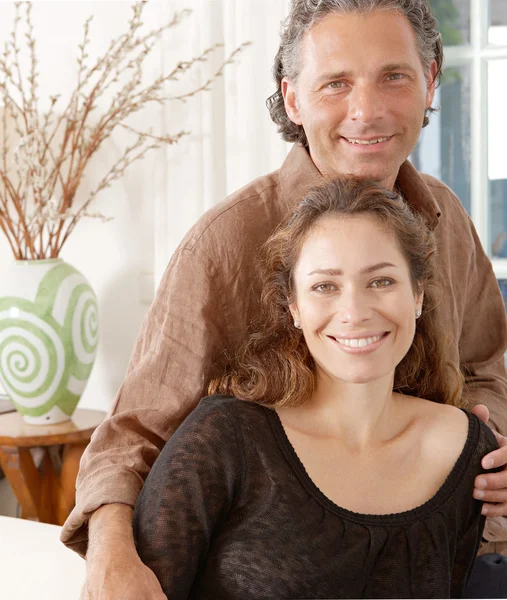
407,516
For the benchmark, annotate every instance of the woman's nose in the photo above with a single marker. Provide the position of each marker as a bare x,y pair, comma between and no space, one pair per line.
353,307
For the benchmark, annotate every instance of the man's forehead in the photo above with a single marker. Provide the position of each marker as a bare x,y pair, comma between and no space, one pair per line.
337,31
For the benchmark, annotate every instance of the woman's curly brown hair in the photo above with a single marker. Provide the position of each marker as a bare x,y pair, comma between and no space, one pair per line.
304,14
274,366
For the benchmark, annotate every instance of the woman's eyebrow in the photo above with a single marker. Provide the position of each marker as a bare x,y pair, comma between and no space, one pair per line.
370,269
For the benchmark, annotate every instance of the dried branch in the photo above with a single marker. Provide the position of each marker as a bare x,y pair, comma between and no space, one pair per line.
15,49
32,78
42,168
205,87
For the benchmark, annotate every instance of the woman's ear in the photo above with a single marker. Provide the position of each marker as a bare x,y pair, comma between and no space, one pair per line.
419,299
295,313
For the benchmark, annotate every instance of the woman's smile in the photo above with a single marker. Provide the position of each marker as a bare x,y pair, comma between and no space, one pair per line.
360,345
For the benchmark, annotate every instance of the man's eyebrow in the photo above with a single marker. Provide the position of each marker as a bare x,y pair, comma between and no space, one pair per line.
401,66
332,76
337,272
389,67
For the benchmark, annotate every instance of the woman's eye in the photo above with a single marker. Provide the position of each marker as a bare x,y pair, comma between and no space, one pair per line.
324,288
380,283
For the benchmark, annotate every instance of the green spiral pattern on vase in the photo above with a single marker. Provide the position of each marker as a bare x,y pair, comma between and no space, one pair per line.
48,346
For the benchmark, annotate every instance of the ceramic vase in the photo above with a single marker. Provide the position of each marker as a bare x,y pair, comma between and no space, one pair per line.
48,338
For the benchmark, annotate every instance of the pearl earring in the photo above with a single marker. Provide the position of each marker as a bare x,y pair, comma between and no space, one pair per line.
418,313
297,324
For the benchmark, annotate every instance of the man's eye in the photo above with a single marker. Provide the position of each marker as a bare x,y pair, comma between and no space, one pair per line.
380,283
336,84
396,76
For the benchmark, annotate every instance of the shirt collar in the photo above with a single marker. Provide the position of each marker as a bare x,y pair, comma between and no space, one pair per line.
298,173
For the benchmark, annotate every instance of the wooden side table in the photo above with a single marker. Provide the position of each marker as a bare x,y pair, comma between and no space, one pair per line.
46,493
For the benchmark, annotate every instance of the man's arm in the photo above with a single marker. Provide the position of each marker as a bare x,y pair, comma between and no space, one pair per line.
483,339
177,353
483,343
112,559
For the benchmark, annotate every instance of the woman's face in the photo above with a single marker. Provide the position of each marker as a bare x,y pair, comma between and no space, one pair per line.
354,299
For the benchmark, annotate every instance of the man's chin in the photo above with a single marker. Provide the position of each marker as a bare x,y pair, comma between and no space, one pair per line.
381,173
335,163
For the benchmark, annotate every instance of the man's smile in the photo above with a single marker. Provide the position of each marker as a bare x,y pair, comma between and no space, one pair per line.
374,143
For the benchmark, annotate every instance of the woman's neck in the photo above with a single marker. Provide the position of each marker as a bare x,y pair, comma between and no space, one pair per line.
363,416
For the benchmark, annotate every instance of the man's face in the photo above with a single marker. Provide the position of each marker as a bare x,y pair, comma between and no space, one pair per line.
361,80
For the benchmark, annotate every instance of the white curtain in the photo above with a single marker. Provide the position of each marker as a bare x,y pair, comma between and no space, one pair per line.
233,139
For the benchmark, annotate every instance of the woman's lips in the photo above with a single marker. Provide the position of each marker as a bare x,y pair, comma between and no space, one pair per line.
359,347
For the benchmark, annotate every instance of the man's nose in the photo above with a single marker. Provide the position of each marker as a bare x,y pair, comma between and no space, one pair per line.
365,103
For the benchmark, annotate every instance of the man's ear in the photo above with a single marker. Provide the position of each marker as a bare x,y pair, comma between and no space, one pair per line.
431,83
290,101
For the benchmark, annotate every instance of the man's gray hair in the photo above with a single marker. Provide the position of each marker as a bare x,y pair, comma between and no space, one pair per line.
304,14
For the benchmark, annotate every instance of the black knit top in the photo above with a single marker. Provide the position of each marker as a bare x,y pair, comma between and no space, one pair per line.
228,512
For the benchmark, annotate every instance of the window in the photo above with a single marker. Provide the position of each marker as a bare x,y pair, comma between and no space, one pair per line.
464,143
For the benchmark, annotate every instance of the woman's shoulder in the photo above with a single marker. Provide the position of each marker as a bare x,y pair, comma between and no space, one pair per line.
450,423
228,424
444,419
220,408
449,431
443,431
216,423
445,425
227,404
213,415
436,419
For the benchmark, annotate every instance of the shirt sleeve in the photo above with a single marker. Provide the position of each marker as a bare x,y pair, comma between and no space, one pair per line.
188,492
483,340
470,539
177,353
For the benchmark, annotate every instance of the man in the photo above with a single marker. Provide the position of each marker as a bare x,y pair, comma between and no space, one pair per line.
354,87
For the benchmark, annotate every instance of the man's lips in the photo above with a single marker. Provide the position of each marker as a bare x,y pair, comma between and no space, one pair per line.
369,143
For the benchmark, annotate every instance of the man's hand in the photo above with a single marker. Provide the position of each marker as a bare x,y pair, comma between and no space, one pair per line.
492,487
114,570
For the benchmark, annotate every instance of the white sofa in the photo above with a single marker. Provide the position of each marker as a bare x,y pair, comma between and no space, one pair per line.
34,564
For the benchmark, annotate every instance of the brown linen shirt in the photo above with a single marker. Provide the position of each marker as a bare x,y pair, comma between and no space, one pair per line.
208,296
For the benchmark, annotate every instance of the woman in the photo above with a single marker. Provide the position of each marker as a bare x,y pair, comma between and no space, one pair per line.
338,464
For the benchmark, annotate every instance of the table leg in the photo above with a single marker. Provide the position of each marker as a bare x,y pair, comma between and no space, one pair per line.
67,489
23,477
48,505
